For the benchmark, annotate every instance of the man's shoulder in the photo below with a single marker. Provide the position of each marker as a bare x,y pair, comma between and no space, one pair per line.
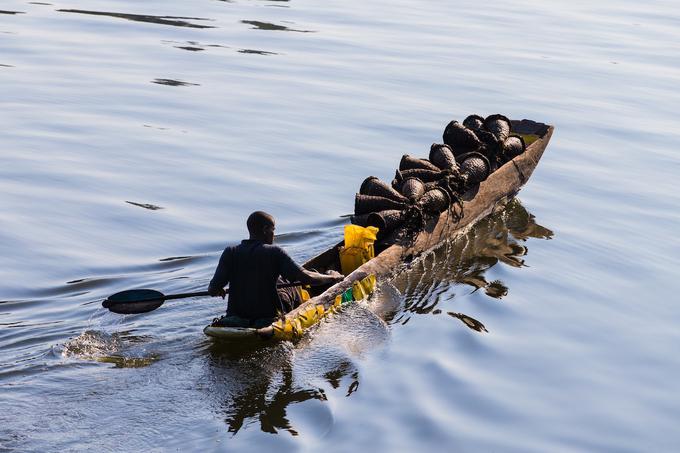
258,247
230,248
274,249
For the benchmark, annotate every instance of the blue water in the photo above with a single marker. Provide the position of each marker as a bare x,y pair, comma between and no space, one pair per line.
204,111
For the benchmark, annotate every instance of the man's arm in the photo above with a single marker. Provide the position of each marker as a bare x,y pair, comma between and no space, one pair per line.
221,277
293,272
317,279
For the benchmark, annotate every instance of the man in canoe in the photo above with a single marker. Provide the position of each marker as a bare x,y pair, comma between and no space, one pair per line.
252,269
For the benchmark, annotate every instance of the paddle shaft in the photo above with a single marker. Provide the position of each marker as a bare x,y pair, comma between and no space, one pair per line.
146,300
206,293
183,295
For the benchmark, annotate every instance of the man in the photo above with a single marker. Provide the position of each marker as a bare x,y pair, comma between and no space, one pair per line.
252,270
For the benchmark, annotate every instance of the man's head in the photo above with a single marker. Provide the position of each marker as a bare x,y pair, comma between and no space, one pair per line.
261,227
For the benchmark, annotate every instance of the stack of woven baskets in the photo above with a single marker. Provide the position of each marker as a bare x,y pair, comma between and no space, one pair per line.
424,188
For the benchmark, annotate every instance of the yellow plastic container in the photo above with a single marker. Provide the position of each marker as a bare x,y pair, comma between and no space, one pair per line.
363,288
358,247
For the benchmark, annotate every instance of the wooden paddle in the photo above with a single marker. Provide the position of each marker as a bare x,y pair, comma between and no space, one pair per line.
134,301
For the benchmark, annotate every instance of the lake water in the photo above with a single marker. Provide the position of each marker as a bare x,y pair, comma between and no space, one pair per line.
137,137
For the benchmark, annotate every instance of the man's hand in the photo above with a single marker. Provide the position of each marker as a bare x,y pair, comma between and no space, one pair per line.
315,278
220,292
337,276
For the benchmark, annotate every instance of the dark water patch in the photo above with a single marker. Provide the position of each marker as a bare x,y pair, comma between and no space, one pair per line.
80,280
190,48
468,321
82,285
11,12
149,206
161,20
154,127
174,83
272,27
176,258
256,52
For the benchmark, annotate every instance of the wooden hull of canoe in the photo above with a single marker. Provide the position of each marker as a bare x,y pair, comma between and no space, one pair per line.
499,187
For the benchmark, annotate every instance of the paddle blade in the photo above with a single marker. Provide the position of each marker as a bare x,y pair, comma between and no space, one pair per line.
134,301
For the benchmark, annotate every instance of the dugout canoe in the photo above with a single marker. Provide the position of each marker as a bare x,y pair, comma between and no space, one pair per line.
392,252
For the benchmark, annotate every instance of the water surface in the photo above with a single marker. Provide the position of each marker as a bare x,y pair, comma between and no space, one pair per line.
137,137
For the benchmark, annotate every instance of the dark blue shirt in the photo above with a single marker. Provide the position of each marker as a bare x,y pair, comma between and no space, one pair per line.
252,269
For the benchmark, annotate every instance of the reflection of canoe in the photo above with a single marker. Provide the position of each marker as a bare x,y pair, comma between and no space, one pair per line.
500,186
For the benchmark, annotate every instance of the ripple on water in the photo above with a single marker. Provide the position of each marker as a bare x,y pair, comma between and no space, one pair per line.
258,25
161,20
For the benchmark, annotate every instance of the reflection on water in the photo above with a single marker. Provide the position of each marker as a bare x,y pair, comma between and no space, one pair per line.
345,369
273,27
192,46
257,386
174,83
472,323
254,403
149,206
162,20
257,52
498,238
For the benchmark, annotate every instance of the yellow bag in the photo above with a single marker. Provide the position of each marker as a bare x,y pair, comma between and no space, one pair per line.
358,247
304,294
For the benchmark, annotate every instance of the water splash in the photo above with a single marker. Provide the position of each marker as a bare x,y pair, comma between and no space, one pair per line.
109,348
